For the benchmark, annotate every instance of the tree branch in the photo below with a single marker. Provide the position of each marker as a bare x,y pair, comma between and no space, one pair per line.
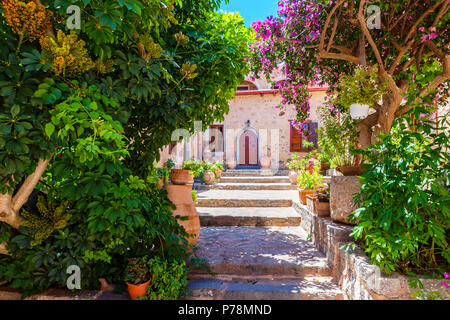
3,249
28,186
413,30
366,32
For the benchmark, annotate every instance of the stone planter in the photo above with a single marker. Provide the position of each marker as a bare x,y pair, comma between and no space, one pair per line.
293,176
209,177
265,163
231,164
181,177
303,193
322,208
311,203
181,196
342,190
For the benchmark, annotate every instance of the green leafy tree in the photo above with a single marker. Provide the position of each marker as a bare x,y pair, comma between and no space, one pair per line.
84,114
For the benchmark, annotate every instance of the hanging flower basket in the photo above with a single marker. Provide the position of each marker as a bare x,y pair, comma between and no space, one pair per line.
359,111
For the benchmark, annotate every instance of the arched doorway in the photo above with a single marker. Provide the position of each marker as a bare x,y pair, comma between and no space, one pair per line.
248,153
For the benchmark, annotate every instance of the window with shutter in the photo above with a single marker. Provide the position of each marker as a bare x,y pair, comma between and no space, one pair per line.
296,143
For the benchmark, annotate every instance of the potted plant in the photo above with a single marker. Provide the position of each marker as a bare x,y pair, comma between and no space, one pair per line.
360,91
218,168
182,176
137,277
308,182
295,165
208,173
322,201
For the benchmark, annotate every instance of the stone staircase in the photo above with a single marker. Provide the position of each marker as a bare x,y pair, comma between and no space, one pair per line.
253,242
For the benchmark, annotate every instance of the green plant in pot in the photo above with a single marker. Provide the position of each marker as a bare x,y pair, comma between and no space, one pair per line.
296,164
182,176
323,201
208,175
308,182
360,92
218,168
137,277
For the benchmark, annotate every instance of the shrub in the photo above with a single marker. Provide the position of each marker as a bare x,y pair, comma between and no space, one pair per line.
310,180
169,279
404,213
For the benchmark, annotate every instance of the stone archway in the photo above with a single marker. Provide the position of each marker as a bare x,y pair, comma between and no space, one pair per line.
247,147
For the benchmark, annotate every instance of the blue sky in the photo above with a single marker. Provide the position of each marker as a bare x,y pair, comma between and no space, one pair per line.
252,10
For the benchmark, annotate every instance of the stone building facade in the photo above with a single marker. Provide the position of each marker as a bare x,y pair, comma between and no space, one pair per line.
252,131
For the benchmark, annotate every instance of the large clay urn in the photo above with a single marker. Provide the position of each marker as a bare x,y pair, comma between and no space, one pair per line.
181,177
231,164
265,162
209,177
181,196
293,174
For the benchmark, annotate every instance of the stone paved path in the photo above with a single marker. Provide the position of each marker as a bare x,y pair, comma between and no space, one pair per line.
252,239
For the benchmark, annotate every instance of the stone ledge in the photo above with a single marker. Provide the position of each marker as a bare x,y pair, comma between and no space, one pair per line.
358,279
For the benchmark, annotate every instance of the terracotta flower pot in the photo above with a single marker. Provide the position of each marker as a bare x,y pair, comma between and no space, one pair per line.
181,196
181,177
322,208
139,290
218,173
209,177
305,192
348,171
231,164
324,166
311,203
265,162
293,174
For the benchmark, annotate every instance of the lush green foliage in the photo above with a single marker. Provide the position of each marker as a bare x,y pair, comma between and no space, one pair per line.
101,102
169,279
137,271
403,222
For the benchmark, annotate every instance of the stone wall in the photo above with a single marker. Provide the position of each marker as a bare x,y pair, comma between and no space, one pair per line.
359,279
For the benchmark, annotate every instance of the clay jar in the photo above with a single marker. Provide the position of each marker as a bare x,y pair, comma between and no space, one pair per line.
181,196
209,177
293,176
265,163
181,177
231,164
136,291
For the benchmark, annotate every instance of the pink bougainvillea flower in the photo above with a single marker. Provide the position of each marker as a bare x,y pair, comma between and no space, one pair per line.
445,285
446,275
422,29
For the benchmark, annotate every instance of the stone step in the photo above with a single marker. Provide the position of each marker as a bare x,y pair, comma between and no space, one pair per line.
221,217
254,179
249,173
312,288
260,251
248,198
247,186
